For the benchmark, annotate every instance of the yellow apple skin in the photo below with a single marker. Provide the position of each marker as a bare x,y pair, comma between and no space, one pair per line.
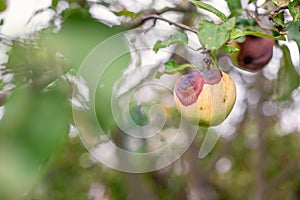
213,104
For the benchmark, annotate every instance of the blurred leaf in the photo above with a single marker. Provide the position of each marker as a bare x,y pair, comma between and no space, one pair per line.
293,32
138,115
2,5
79,34
244,23
294,8
213,36
236,33
281,2
210,8
171,67
33,128
288,78
54,3
34,63
81,3
264,35
176,38
234,5
107,81
126,13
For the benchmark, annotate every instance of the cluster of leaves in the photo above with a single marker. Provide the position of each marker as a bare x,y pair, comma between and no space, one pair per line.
215,36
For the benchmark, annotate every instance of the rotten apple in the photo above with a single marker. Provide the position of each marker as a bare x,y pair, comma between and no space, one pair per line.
205,98
255,53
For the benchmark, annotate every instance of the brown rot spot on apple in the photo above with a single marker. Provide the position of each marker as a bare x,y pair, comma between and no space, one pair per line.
212,76
247,60
188,88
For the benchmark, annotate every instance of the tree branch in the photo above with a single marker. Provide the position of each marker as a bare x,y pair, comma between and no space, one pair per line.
261,152
276,12
198,183
154,14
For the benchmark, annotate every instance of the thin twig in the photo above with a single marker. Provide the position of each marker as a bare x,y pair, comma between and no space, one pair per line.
3,95
154,14
183,26
276,12
273,14
256,13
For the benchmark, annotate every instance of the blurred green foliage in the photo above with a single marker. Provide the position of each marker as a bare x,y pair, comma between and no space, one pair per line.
2,5
34,127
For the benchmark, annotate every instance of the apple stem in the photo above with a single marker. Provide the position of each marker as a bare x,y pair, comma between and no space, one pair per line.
208,62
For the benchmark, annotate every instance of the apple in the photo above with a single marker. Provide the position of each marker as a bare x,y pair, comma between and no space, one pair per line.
255,53
205,98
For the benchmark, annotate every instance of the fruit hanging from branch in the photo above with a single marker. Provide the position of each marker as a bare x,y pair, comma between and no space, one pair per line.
205,98
255,52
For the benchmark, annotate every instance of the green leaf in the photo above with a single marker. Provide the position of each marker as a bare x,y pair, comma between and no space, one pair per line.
279,19
236,33
230,49
125,13
259,34
264,35
211,9
294,8
288,78
213,36
177,38
234,5
293,31
2,5
171,67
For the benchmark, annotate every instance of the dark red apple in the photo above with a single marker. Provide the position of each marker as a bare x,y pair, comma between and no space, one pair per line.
255,53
